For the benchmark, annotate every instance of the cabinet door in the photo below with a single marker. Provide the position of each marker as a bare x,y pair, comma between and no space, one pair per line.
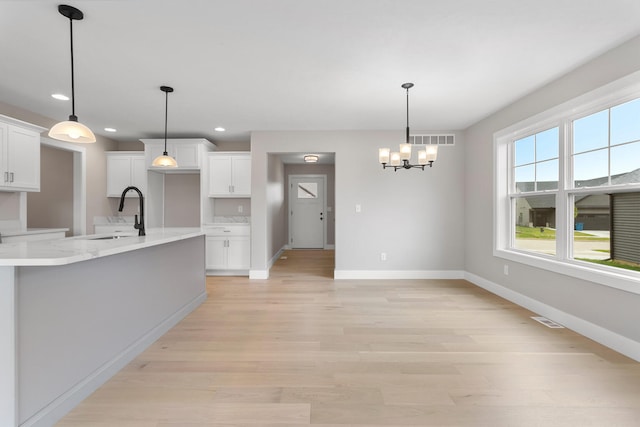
186,155
118,175
23,158
241,176
216,252
239,249
4,175
219,176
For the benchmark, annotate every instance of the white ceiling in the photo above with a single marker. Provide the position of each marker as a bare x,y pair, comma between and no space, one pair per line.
295,64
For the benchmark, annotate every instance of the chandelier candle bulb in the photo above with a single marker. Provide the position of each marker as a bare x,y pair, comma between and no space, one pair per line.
383,155
405,151
395,159
432,153
422,157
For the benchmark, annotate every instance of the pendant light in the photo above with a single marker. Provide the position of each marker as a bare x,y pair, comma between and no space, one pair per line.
71,130
401,159
165,161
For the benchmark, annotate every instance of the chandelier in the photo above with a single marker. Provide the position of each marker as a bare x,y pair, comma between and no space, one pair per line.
401,159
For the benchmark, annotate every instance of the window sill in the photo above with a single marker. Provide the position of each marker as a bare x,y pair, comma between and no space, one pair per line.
628,281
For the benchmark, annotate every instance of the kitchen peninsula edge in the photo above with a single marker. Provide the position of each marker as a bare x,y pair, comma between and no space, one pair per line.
74,311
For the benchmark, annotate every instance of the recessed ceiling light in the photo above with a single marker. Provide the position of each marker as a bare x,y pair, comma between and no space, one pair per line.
60,97
110,129
219,129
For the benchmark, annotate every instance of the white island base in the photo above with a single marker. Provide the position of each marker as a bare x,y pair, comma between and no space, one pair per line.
66,329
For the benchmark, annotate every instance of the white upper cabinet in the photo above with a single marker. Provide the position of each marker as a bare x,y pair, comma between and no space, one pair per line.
229,175
189,153
125,168
19,155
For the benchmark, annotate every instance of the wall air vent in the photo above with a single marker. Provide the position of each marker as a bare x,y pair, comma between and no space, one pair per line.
444,139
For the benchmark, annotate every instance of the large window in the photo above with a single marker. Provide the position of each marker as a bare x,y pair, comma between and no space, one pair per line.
568,191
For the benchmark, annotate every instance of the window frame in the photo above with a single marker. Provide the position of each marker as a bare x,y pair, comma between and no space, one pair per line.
562,116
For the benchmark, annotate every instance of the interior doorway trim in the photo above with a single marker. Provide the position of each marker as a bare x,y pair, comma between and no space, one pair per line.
290,197
79,182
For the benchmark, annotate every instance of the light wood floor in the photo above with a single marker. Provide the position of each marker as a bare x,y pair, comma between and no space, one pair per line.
303,349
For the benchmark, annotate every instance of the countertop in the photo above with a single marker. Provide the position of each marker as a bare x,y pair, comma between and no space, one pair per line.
83,248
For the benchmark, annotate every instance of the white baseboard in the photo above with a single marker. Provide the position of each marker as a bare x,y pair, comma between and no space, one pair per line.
397,274
55,410
597,333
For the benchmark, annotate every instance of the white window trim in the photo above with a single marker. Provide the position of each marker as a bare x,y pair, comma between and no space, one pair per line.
617,92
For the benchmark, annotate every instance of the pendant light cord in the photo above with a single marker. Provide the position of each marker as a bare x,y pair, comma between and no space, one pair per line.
73,89
407,136
166,118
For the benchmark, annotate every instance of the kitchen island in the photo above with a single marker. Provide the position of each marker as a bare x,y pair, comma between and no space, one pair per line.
74,311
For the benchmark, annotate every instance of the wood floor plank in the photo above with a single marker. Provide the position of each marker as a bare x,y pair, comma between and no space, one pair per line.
302,349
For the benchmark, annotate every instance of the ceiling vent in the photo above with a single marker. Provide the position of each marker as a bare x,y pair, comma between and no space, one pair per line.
444,139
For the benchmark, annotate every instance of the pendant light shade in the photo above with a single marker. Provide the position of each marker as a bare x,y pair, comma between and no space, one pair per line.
71,130
165,160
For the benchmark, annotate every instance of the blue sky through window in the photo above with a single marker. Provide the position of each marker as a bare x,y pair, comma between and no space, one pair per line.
625,122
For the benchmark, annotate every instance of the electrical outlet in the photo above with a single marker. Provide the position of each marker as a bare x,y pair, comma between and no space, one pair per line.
358,208
240,209
383,256
506,270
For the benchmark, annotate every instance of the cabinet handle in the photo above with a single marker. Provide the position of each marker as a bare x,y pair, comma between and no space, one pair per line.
11,176
6,177
233,189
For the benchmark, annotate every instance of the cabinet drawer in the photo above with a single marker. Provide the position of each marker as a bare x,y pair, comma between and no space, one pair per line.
227,230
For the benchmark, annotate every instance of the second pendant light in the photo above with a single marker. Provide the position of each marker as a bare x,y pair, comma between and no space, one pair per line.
165,161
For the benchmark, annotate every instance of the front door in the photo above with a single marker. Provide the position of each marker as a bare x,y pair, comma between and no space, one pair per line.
307,211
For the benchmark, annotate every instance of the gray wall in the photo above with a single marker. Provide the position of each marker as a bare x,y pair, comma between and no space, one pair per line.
182,200
609,308
52,207
416,217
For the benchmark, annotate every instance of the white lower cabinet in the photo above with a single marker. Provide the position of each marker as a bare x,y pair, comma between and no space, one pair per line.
228,248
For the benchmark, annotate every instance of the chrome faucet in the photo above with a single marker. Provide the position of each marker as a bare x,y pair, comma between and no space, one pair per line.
138,226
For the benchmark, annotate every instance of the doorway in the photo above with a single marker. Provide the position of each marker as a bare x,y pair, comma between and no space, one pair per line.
75,197
307,211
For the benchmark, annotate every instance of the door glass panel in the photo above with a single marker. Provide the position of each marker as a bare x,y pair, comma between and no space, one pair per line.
308,190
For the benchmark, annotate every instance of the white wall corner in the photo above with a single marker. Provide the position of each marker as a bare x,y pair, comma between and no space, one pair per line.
617,342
